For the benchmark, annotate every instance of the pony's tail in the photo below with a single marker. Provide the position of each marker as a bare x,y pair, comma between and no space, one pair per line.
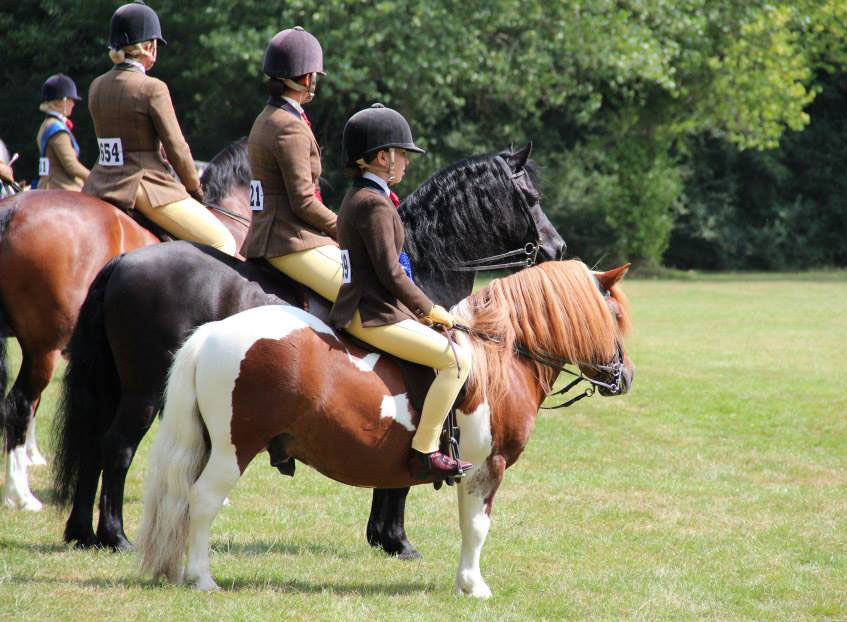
5,330
177,457
90,395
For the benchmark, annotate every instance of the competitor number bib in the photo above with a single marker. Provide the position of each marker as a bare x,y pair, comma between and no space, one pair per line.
111,152
257,195
346,271
43,167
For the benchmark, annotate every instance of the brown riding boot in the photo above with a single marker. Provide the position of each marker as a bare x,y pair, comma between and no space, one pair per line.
436,464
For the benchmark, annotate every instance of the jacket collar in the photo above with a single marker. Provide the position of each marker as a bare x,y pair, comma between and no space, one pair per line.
284,104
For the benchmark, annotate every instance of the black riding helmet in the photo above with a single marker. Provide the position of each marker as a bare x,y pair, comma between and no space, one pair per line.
58,86
134,23
293,53
376,128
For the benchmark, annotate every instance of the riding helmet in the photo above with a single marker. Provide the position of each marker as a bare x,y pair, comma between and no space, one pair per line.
293,53
373,129
133,23
58,86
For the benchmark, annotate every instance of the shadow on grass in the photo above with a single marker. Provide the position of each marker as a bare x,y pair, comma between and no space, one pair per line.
40,549
264,547
292,586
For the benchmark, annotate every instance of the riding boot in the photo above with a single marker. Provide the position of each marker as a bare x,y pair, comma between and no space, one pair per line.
436,464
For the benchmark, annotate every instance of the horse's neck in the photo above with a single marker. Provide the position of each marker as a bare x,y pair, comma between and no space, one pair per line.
446,288
236,201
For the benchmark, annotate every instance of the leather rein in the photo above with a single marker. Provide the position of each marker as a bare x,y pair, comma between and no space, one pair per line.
528,252
236,217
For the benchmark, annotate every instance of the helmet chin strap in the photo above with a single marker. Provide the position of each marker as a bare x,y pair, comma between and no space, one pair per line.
296,86
380,169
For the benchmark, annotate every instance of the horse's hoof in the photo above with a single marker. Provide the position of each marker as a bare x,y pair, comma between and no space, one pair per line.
82,540
206,584
472,585
35,458
408,553
22,502
117,545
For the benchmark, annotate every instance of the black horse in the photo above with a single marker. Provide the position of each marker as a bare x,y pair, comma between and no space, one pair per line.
143,304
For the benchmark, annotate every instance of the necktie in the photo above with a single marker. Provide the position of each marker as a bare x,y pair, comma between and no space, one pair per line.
69,124
394,199
305,119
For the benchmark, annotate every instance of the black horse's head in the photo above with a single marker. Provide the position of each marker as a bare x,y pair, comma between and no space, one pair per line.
482,213
551,246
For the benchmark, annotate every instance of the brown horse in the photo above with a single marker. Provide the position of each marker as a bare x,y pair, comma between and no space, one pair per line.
272,370
52,245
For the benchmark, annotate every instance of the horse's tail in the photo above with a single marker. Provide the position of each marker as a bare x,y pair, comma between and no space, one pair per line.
178,455
90,393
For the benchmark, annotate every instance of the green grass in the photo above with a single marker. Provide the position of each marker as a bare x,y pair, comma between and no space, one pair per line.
716,490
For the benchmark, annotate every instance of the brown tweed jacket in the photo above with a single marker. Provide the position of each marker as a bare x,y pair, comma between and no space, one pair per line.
370,230
127,104
66,172
285,158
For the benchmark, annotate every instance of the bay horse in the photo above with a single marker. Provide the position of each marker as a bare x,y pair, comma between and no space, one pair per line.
52,245
239,382
143,305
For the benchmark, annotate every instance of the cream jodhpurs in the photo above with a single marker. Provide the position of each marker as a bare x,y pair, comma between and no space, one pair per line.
319,269
187,219
414,342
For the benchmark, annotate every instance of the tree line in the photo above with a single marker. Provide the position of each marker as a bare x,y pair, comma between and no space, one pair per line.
694,133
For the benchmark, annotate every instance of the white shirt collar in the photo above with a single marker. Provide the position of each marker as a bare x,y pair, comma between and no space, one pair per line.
58,115
135,63
382,183
294,103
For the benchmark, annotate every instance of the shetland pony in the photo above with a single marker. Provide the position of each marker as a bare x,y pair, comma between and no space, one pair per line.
272,370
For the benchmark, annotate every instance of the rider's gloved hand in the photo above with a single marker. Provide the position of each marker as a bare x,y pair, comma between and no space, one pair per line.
438,315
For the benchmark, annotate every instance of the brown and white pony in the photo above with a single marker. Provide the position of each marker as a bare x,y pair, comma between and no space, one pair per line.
272,370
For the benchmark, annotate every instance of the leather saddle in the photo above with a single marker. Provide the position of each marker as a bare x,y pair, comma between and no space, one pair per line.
417,378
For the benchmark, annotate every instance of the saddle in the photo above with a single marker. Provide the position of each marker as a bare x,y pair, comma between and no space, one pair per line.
417,378
148,224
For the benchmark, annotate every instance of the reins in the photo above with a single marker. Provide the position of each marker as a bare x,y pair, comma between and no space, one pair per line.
529,251
236,217
614,368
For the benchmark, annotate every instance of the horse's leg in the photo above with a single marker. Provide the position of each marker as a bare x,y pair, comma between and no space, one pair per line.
78,526
132,420
33,377
34,456
476,495
385,524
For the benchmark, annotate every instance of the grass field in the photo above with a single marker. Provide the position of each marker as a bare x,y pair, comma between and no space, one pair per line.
716,490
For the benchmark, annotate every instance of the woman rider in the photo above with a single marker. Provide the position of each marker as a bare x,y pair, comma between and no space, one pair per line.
378,303
58,167
291,226
134,118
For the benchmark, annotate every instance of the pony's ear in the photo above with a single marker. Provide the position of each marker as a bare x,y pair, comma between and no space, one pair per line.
609,278
517,159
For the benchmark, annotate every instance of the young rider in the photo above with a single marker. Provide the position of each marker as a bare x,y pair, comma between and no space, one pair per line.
378,303
58,167
134,119
291,226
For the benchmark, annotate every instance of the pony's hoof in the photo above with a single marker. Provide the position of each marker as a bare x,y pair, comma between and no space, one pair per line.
117,545
35,458
468,584
408,553
206,584
22,502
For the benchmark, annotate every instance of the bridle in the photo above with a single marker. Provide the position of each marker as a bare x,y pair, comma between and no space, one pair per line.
612,370
528,252
236,217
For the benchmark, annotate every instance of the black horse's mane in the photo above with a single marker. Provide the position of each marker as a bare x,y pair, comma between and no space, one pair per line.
5,218
456,207
229,167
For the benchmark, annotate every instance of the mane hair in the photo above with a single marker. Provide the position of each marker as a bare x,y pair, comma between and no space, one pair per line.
5,219
228,168
458,205
552,309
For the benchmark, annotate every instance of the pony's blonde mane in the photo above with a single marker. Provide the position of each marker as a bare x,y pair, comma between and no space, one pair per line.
553,309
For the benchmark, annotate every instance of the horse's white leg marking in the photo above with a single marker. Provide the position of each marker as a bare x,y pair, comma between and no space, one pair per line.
33,455
16,492
474,445
397,407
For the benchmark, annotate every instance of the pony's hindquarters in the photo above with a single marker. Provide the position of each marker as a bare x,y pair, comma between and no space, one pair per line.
177,456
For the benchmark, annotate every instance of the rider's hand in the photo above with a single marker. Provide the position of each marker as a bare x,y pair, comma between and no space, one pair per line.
6,173
197,194
438,315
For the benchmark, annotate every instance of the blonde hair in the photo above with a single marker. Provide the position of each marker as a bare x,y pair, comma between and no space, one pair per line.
131,51
54,105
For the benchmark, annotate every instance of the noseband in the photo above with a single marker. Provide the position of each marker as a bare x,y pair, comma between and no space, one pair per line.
529,251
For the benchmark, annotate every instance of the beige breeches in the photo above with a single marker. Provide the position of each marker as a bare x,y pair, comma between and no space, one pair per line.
187,219
319,269
412,341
